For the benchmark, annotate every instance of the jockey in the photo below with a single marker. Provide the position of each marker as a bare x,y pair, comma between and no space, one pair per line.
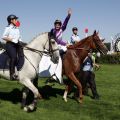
75,37
56,33
12,37
59,29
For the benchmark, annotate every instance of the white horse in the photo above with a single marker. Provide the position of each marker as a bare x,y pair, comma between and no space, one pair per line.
33,52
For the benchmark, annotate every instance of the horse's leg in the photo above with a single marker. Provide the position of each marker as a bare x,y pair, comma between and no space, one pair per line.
24,96
65,93
35,81
67,90
78,84
29,84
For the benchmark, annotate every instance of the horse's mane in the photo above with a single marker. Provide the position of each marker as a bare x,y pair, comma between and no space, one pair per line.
78,44
38,35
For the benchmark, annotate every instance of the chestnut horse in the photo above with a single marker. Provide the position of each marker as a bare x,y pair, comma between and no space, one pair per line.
74,57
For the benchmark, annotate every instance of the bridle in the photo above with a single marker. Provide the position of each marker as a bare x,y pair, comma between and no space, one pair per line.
48,52
97,46
83,48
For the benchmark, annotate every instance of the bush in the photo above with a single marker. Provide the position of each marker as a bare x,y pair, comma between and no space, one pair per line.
112,59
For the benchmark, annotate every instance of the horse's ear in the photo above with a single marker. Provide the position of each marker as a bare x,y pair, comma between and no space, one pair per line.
103,40
98,32
94,32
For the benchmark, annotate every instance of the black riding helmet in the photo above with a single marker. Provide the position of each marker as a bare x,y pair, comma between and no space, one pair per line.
74,28
11,17
58,22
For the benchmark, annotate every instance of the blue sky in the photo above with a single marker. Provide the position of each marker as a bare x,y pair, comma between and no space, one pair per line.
37,16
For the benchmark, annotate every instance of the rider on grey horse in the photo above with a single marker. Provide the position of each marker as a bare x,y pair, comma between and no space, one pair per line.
12,37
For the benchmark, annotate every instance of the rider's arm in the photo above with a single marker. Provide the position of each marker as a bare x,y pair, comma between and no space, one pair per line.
66,20
94,63
61,42
6,34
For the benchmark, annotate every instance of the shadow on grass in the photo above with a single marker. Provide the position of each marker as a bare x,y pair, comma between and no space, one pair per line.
15,96
47,92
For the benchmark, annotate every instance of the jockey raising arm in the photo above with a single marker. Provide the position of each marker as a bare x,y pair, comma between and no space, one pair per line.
59,28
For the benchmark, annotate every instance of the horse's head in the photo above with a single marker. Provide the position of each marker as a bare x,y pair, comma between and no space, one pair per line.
52,47
98,44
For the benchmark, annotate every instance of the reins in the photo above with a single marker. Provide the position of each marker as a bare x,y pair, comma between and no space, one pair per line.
97,47
48,52
36,51
79,49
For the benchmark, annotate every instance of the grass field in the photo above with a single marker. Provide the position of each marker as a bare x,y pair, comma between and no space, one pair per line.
54,108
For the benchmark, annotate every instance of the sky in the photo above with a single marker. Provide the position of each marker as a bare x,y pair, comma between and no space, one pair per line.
38,16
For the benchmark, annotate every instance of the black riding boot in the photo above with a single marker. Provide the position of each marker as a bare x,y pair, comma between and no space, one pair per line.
12,70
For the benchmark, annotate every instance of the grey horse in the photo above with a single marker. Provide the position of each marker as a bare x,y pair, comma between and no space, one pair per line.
33,52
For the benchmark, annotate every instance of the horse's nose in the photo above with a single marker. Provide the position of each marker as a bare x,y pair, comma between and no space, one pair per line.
57,59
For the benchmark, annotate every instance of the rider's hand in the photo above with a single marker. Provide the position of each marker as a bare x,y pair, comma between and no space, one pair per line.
76,42
97,66
67,45
69,11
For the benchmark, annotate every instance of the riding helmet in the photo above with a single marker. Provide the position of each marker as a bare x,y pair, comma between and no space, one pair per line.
58,22
11,17
74,28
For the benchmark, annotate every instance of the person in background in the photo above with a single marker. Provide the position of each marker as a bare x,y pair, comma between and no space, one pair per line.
89,76
12,37
75,37
94,60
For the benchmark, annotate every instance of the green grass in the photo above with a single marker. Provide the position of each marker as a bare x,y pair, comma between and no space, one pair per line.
54,108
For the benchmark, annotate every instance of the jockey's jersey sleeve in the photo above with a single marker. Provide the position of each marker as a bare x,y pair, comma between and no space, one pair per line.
64,25
12,32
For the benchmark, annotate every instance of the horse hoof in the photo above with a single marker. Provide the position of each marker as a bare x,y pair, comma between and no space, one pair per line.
97,97
25,109
29,108
65,99
40,97
80,101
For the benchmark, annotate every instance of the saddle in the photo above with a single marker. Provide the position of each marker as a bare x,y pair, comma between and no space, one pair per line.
2,45
4,58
